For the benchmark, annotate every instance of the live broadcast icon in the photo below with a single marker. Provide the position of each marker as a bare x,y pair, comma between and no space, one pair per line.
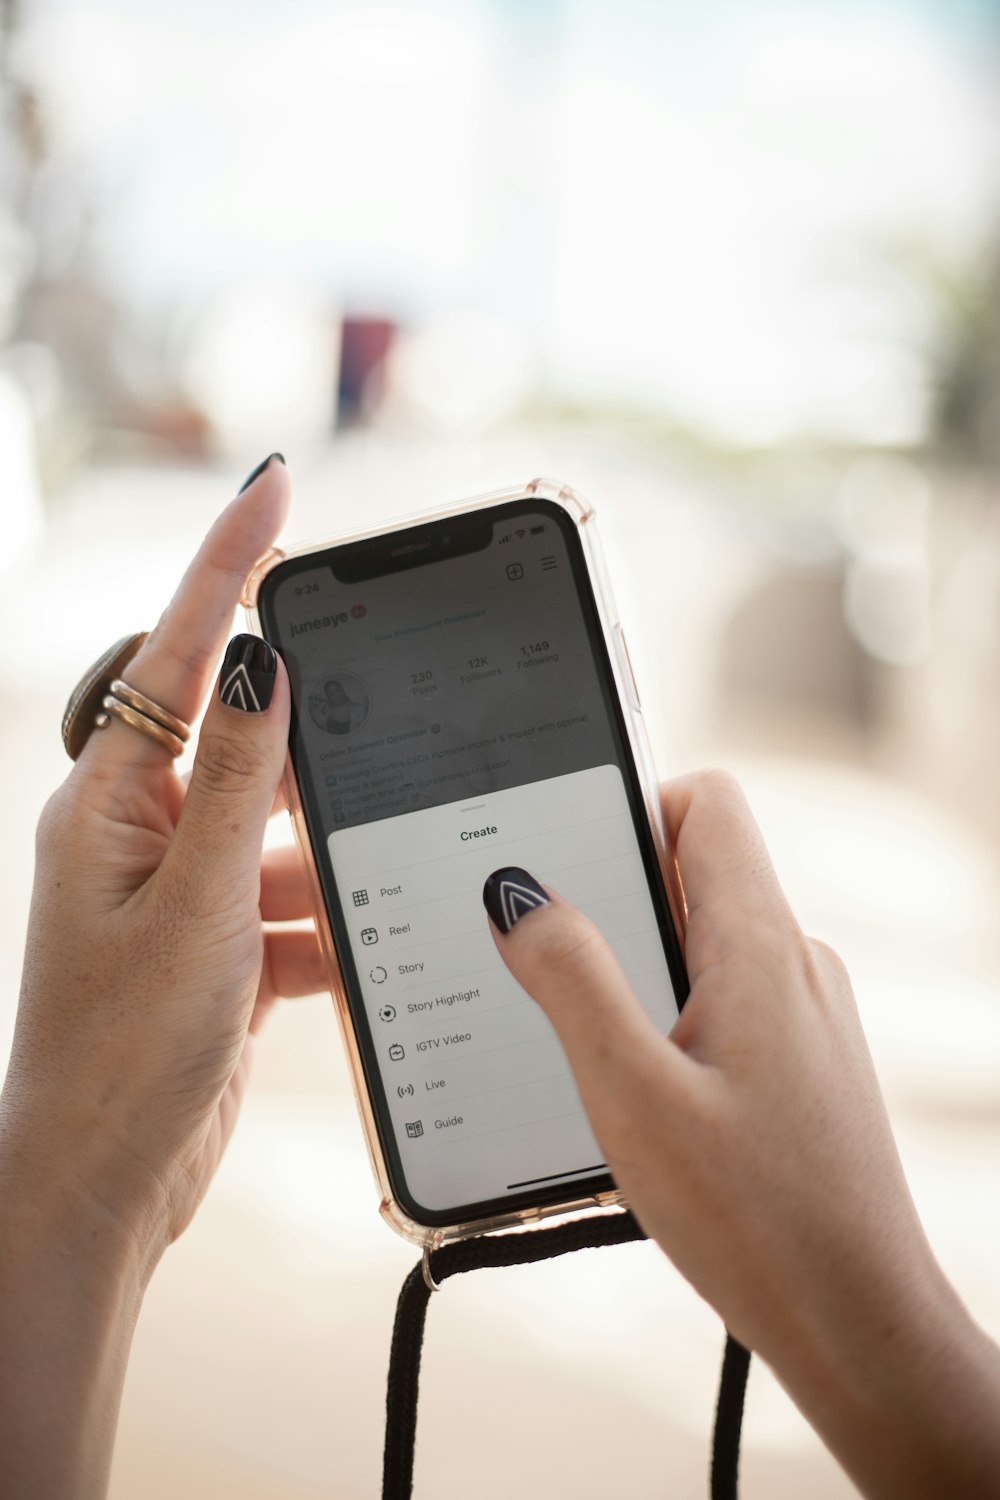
369,935
360,898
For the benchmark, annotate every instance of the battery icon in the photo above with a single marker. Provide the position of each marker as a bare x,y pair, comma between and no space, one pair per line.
537,530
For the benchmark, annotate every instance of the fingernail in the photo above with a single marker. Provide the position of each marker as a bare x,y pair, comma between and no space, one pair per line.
256,473
247,679
509,894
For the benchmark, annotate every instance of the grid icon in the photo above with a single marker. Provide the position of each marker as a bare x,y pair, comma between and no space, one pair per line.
360,898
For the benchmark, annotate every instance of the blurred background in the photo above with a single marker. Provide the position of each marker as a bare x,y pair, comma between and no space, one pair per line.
734,270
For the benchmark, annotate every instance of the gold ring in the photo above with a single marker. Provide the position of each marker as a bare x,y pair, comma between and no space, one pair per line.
115,707
144,705
101,694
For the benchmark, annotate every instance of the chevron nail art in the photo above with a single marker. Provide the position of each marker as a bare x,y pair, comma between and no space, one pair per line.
247,678
510,894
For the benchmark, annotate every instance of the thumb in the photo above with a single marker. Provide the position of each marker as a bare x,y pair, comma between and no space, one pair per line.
619,1058
241,755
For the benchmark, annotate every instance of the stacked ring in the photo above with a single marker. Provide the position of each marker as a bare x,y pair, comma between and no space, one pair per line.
101,685
142,713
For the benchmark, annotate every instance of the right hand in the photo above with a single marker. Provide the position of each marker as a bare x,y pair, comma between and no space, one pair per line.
753,1143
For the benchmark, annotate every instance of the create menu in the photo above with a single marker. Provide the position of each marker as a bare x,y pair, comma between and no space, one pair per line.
481,1097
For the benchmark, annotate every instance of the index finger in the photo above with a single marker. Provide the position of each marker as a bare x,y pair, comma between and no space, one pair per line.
176,662
623,1065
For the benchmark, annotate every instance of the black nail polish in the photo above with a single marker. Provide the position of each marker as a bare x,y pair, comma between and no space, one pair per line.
256,473
509,894
247,679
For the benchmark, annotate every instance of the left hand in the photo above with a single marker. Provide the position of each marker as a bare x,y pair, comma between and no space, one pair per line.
147,964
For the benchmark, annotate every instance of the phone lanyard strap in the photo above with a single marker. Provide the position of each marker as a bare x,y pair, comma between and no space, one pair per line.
517,1249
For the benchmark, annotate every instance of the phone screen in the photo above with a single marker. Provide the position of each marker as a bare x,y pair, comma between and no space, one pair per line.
454,712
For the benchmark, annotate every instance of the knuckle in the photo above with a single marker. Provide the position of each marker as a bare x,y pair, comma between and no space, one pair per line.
569,945
193,658
827,963
50,833
717,785
227,762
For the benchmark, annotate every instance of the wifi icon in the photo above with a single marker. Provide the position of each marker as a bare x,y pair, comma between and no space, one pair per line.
520,534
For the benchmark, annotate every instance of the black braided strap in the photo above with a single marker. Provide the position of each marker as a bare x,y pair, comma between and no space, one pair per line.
514,1249
729,1420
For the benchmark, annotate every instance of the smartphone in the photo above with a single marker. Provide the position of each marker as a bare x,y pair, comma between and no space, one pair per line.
462,700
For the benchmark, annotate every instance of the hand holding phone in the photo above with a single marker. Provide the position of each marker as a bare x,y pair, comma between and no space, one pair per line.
753,1144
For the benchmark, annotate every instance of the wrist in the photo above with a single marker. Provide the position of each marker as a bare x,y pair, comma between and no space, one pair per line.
63,1187
900,1384
71,1283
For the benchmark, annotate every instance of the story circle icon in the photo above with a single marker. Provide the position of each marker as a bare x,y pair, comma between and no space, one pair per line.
387,1013
377,975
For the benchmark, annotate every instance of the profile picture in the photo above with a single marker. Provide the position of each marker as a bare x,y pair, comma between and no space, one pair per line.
339,704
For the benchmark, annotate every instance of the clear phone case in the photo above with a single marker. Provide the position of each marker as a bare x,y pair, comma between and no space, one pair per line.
582,513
